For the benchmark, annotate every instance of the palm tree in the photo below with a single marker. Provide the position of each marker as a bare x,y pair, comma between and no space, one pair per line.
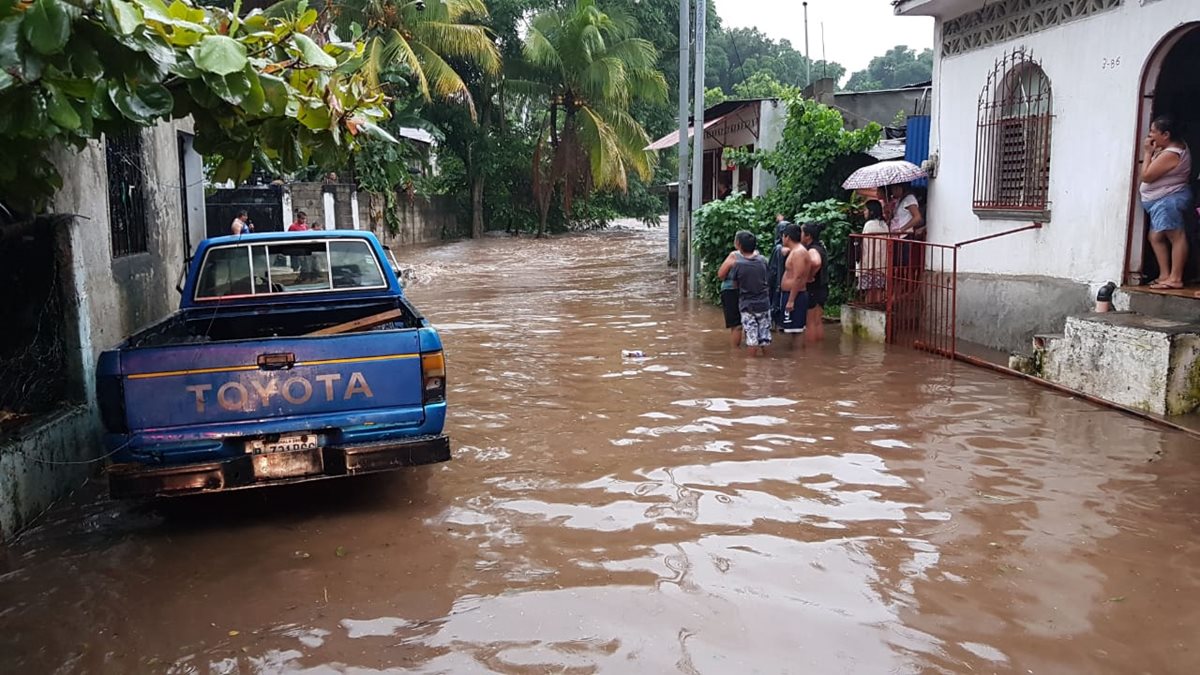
587,66
430,40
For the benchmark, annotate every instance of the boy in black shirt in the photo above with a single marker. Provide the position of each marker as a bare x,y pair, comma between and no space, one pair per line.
754,300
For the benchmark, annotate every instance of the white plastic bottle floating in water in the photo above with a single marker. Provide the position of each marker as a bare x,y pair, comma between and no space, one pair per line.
633,354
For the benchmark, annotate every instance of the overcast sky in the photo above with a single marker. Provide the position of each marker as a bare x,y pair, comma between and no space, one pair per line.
855,30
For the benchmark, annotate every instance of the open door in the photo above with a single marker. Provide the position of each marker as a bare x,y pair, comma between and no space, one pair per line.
1170,86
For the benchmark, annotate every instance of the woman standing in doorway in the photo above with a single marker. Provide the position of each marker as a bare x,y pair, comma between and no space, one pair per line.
1167,198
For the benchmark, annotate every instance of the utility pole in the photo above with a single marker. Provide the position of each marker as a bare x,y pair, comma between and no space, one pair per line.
698,133
807,53
824,58
685,217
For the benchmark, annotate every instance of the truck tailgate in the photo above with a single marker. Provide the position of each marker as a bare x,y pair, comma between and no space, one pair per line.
223,382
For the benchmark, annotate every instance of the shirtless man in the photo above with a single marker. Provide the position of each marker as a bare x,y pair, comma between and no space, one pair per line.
818,284
797,271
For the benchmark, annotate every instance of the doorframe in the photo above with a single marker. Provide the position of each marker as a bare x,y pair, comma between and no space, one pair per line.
1136,224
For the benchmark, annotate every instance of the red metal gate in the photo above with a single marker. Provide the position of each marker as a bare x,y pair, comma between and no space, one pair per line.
914,283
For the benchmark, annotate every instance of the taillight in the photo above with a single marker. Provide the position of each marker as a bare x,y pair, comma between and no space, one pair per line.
110,396
433,375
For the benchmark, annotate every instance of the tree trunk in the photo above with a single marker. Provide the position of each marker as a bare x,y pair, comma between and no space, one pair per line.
477,206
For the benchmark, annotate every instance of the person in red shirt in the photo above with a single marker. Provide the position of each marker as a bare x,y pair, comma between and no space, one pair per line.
301,224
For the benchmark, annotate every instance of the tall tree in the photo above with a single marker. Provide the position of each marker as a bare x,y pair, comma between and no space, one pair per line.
425,38
588,67
737,54
900,66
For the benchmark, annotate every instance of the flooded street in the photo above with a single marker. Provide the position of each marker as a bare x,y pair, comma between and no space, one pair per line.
846,509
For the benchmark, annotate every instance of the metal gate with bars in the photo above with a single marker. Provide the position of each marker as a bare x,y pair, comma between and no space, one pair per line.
915,284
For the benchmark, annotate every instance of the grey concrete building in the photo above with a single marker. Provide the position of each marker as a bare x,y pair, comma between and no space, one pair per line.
133,210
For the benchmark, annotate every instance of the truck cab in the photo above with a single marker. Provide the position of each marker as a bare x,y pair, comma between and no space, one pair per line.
293,357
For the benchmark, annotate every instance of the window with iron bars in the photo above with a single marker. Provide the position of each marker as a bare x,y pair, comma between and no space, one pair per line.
126,193
1012,142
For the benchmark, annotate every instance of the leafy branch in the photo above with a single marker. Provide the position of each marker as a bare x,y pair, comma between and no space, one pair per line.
260,87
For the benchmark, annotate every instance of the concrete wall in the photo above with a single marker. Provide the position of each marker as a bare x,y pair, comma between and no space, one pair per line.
107,299
1095,137
1005,311
422,220
772,120
861,108
315,200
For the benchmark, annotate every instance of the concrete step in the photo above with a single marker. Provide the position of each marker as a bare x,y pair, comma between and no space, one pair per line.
1174,307
1146,362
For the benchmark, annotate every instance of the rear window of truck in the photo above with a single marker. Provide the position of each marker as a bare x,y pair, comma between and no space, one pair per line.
288,267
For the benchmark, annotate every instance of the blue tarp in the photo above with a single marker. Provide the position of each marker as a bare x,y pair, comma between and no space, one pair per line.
916,148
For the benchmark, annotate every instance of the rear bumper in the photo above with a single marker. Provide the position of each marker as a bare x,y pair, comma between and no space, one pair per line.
127,481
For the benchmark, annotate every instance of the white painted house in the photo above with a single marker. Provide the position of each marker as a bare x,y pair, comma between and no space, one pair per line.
1038,113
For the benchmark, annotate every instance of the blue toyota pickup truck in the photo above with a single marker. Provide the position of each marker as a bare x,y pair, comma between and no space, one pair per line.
293,357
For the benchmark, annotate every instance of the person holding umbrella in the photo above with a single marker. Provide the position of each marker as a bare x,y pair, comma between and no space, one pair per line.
905,219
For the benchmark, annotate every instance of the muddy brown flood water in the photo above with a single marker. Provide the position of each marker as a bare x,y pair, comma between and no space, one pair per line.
852,509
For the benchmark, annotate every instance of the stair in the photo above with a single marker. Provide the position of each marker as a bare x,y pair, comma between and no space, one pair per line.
1163,306
1147,362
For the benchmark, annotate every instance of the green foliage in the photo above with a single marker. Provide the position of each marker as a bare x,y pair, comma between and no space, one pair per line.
257,87
763,85
715,225
806,162
713,96
439,45
736,55
899,67
587,67
840,218
640,201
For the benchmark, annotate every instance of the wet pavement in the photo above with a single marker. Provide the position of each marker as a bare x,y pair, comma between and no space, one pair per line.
842,509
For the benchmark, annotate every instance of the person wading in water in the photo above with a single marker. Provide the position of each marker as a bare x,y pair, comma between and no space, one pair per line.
818,281
794,286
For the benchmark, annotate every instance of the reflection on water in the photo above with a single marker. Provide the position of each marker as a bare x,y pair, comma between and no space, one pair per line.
843,509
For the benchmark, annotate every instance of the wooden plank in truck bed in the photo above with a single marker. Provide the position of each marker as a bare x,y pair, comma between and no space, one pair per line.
365,323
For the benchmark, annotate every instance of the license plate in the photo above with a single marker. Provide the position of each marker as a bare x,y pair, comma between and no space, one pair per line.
275,465
294,443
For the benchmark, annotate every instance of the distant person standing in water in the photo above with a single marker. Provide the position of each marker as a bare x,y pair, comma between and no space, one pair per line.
749,272
794,286
775,267
730,295
818,283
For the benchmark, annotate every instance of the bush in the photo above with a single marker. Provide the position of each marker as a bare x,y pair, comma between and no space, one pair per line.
716,224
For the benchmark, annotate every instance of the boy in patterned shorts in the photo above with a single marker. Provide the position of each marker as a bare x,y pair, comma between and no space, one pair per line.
754,299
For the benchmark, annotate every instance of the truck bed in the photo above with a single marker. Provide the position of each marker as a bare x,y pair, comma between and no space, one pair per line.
221,323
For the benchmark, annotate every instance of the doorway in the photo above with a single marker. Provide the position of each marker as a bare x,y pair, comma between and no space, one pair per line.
1170,86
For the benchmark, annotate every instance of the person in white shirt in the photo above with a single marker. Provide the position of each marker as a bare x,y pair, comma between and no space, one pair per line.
872,267
905,220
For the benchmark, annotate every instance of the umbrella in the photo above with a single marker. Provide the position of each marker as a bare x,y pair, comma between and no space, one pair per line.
884,173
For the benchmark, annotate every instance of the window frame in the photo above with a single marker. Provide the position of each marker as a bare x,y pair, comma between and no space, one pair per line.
1013,140
125,169
249,246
